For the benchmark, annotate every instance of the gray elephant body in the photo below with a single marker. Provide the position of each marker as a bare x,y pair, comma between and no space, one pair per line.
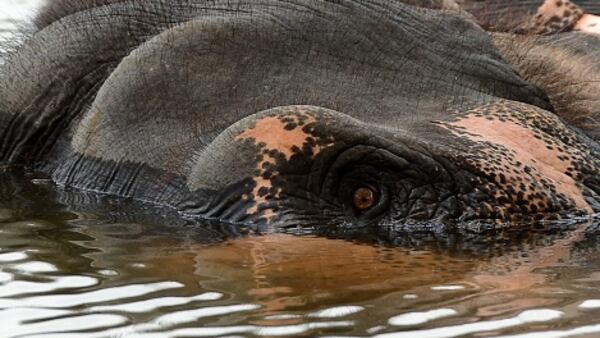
275,113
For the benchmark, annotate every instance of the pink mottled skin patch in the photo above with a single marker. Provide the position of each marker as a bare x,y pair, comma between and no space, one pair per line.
589,24
559,8
555,16
527,149
271,133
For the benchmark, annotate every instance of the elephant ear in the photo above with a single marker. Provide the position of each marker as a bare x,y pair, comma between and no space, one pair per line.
47,82
54,10
567,67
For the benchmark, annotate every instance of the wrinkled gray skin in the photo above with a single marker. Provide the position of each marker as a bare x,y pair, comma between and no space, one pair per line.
271,114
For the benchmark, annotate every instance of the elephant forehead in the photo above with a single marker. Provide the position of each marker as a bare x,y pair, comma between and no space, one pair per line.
523,151
283,134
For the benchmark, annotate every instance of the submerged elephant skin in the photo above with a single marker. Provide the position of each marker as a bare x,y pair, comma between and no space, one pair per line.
274,114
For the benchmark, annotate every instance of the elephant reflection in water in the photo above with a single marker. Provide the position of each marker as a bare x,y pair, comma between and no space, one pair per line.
287,272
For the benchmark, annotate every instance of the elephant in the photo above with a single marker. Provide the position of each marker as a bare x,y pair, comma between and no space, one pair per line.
309,114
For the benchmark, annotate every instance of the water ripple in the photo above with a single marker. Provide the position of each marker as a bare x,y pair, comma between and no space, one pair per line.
579,331
336,312
187,316
525,317
70,324
35,267
12,257
19,288
92,297
416,318
155,303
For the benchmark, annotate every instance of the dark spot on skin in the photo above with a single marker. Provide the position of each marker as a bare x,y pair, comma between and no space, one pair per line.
263,191
290,126
502,179
554,19
555,26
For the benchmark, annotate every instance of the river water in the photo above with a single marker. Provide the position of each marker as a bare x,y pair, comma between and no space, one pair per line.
79,265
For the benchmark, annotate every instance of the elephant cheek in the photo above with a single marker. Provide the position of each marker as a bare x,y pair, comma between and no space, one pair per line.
533,168
277,139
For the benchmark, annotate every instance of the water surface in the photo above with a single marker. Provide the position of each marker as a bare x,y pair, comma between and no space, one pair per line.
80,265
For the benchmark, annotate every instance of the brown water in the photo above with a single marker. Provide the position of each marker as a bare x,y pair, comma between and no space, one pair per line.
79,265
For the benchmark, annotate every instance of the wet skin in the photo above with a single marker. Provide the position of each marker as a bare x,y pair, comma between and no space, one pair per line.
331,116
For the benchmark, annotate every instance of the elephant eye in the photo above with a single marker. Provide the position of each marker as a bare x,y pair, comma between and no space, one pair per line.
363,194
364,198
